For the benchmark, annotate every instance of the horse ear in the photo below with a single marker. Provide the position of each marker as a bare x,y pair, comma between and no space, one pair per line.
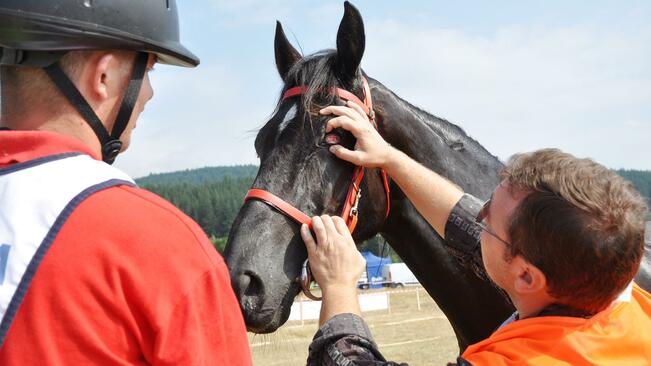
286,54
351,41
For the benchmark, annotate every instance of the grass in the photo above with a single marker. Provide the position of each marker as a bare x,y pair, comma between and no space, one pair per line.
404,334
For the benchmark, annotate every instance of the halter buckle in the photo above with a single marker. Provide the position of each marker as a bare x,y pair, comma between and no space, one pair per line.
353,210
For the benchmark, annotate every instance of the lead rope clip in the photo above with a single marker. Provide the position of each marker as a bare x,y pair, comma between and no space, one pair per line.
306,281
353,210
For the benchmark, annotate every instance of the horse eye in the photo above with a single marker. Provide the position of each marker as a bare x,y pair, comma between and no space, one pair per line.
332,139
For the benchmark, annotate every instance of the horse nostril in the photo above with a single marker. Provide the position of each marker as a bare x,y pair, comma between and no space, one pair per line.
242,283
250,290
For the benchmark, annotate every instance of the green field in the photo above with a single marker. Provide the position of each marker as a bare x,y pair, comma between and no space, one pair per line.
404,333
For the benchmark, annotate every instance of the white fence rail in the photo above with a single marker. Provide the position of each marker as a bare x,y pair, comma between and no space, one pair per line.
305,309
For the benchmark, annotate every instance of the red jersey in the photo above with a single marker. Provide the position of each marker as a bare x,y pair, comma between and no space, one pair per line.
128,280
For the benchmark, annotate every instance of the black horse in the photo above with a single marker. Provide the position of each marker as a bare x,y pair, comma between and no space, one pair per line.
265,252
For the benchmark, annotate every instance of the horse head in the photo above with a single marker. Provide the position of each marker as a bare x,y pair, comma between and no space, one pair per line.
264,250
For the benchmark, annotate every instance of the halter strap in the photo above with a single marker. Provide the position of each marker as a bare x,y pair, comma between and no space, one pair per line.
280,205
350,210
344,94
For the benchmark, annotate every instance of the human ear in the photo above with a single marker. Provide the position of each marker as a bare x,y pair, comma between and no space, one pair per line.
528,278
98,77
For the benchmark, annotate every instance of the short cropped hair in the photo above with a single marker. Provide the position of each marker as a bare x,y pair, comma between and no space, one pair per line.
25,88
581,224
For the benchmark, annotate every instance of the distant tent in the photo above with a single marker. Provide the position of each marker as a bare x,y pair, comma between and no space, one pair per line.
374,266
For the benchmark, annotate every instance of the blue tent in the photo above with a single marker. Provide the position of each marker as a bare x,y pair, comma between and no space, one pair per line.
374,266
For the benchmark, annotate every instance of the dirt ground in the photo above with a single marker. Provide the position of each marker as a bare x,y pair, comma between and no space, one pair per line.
404,333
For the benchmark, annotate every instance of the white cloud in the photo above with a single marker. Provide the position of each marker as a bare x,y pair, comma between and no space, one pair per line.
243,13
584,89
524,88
202,117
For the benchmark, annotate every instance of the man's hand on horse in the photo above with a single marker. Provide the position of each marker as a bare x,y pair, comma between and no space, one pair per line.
334,259
371,151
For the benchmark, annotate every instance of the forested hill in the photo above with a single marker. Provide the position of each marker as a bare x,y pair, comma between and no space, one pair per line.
641,179
201,175
213,196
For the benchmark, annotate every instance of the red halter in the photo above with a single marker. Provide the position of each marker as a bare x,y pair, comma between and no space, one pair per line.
349,212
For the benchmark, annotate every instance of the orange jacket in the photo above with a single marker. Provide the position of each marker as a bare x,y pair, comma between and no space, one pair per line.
620,335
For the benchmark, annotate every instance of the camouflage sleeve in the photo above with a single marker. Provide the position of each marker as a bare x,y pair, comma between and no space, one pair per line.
462,234
345,340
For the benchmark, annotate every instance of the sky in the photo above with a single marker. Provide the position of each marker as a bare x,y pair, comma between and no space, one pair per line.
515,75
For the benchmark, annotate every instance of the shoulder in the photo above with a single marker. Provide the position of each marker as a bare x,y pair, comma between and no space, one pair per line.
135,223
131,238
132,231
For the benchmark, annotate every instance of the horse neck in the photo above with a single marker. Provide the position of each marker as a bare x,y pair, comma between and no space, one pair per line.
474,307
436,143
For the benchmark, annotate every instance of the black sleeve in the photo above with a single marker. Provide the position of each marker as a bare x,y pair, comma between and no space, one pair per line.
462,234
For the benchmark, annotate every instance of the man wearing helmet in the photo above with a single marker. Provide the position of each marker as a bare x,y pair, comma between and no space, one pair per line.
94,270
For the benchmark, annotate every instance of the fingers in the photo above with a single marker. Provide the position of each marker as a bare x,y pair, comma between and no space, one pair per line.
347,118
344,122
351,110
319,230
310,244
357,108
341,226
325,231
345,154
331,231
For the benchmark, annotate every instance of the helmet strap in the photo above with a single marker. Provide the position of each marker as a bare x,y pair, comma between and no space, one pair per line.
111,144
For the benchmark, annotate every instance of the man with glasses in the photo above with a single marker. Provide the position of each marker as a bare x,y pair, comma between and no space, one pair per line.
563,237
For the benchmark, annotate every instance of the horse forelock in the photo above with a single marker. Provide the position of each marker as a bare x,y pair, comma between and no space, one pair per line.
317,72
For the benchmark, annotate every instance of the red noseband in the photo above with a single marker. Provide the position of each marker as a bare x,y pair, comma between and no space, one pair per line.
349,212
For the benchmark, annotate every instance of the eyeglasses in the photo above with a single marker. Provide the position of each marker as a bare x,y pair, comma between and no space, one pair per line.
481,221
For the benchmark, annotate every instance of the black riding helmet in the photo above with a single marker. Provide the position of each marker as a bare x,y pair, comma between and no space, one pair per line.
37,33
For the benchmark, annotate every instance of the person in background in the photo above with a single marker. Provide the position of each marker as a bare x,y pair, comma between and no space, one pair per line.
93,269
562,236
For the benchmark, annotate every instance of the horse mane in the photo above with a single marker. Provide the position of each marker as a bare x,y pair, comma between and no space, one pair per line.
453,135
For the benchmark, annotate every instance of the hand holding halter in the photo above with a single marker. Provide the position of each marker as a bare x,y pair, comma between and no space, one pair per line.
336,262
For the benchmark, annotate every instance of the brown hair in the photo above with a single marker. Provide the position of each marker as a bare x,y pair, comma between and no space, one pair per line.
581,224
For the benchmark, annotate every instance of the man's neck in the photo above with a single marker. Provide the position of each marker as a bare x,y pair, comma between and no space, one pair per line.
532,304
68,125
